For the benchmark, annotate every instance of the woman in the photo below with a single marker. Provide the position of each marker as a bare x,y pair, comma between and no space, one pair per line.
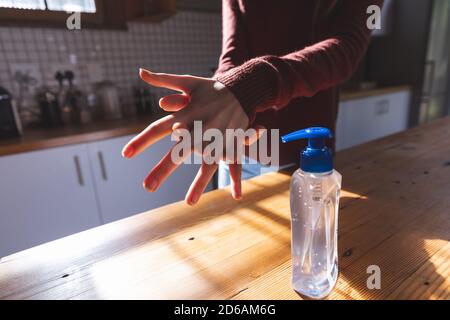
280,64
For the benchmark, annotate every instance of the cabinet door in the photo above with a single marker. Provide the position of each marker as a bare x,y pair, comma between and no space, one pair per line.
364,120
357,126
44,196
391,113
119,180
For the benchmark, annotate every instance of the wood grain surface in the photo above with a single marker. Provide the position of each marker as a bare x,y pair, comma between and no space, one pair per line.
346,95
394,213
44,138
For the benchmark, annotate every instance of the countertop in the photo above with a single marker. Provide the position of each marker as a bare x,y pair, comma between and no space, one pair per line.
394,213
43,138
346,95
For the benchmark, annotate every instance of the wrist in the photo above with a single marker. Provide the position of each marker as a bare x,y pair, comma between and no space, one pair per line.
229,100
252,84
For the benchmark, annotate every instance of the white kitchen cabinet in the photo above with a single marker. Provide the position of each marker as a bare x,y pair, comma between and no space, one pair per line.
49,194
119,181
339,134
45,195
367,119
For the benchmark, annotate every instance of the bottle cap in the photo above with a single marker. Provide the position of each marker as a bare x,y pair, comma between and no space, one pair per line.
316,157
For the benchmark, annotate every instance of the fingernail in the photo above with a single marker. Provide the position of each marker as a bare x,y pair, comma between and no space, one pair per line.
151,185
127,152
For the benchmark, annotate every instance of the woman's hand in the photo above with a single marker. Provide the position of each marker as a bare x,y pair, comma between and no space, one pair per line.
200,99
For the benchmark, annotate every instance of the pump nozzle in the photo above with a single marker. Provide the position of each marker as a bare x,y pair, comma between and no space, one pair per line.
316,157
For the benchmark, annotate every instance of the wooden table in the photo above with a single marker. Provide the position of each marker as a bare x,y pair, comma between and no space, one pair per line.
395,213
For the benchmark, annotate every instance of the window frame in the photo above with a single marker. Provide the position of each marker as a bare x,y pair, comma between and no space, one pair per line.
47,18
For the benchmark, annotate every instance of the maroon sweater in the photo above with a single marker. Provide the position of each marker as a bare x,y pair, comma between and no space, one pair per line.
283,59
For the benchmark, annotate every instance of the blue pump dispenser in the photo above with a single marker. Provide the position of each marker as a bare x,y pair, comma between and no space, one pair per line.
316,157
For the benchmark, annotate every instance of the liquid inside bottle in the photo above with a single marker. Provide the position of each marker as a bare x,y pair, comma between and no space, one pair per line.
314,222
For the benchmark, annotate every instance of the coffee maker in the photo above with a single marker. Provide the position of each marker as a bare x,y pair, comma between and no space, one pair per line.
10,125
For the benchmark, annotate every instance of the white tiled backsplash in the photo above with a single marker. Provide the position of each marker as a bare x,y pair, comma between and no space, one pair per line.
187,43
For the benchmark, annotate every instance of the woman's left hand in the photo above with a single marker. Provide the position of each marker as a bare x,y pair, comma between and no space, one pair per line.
200,99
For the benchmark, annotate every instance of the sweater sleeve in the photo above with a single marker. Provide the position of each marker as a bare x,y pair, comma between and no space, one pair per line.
234,43
272,81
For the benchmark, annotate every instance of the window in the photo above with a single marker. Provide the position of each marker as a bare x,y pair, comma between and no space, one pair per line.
87,6
23,4
73,5
54,13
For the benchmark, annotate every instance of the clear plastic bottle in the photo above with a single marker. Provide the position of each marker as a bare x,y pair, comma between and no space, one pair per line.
315,191
314,214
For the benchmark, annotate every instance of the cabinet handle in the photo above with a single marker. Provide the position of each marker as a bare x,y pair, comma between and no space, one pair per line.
382,107
102,165
76,160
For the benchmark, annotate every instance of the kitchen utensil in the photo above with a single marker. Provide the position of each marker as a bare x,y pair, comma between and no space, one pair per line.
50,111
10,124
108,99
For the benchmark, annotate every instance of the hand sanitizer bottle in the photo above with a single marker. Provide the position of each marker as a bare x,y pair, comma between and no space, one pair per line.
315,190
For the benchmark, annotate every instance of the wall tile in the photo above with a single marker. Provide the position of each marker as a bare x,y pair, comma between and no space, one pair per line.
189,42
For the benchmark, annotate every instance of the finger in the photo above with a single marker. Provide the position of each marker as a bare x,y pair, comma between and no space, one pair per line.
236,184
258,132
212,151
200,183
174,102
180,125
153,133
169,81
168,164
